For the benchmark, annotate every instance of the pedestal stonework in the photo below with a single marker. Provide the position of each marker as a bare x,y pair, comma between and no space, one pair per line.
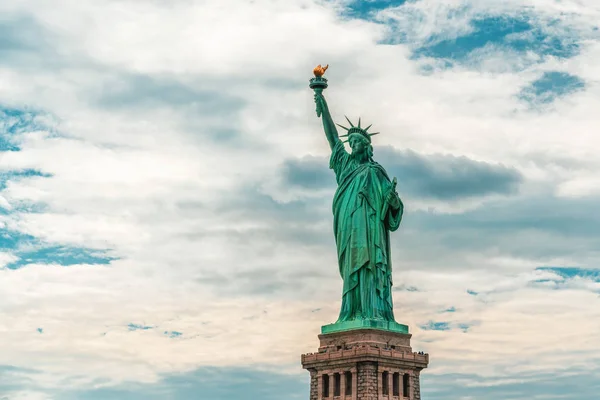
365,364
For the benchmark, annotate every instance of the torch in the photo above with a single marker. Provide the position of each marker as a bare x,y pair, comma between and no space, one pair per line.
318,83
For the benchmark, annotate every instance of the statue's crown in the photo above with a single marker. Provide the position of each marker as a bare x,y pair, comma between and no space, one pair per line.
357,129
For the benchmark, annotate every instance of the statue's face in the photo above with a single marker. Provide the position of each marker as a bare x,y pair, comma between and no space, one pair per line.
357,144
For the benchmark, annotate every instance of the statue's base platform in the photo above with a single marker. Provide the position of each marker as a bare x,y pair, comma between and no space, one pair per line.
365,364
391,326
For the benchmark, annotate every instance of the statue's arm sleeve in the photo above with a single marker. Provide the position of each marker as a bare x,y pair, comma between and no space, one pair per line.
328,124
394,217
339,159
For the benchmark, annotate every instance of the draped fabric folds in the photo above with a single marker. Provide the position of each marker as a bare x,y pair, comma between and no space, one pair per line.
362,224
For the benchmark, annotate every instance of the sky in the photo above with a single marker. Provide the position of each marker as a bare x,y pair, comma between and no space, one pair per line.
165,196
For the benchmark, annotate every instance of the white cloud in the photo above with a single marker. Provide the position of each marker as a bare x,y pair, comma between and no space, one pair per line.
156,186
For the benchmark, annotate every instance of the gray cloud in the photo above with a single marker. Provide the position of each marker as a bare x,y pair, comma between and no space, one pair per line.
544,213
250,203
447,177
19,35
200,107
540,227
203,383
308,172
138,90
571,383
535,227
228,383
27,44
443,177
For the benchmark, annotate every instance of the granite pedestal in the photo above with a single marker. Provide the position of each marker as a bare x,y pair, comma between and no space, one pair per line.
365,364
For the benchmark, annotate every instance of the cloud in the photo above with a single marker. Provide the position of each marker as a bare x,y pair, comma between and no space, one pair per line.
520,34
498,36
308,172
448,177
517,386
189,158
147,91
436,176
17,41
204,383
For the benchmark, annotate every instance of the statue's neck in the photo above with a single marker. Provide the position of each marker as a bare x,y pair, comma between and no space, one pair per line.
361,158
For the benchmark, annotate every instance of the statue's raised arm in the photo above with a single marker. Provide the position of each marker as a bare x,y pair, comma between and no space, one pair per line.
318,83
328,125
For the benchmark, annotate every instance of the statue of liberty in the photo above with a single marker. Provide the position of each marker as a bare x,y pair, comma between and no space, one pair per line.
366,208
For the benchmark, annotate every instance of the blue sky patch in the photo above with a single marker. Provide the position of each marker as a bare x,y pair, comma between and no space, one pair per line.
18,175
62,255
172,334
487,31
364,9
521,35
472,292
14,122
573,272
138,327
550,86
436,326
10,240
515,33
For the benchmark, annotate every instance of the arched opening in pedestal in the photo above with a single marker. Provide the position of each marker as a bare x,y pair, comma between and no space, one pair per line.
348,383
325,385
406,385
385,383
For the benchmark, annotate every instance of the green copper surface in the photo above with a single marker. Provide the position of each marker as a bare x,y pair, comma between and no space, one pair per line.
364,323
366,208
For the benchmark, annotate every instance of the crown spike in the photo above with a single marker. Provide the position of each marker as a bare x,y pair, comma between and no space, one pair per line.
343,127
350,122
367,128
359,122
373,134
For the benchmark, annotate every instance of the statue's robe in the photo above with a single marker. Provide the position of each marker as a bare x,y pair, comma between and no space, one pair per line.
362,234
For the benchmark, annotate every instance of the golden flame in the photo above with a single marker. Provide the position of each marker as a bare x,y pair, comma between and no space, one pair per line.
319,71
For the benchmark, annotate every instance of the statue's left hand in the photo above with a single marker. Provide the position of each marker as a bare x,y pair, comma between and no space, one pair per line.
393,199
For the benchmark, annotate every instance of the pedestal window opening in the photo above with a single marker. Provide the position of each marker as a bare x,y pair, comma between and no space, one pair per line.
348,383
406,384
385,384
325,384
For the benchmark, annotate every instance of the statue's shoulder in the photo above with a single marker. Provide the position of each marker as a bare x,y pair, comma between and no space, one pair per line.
379,168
